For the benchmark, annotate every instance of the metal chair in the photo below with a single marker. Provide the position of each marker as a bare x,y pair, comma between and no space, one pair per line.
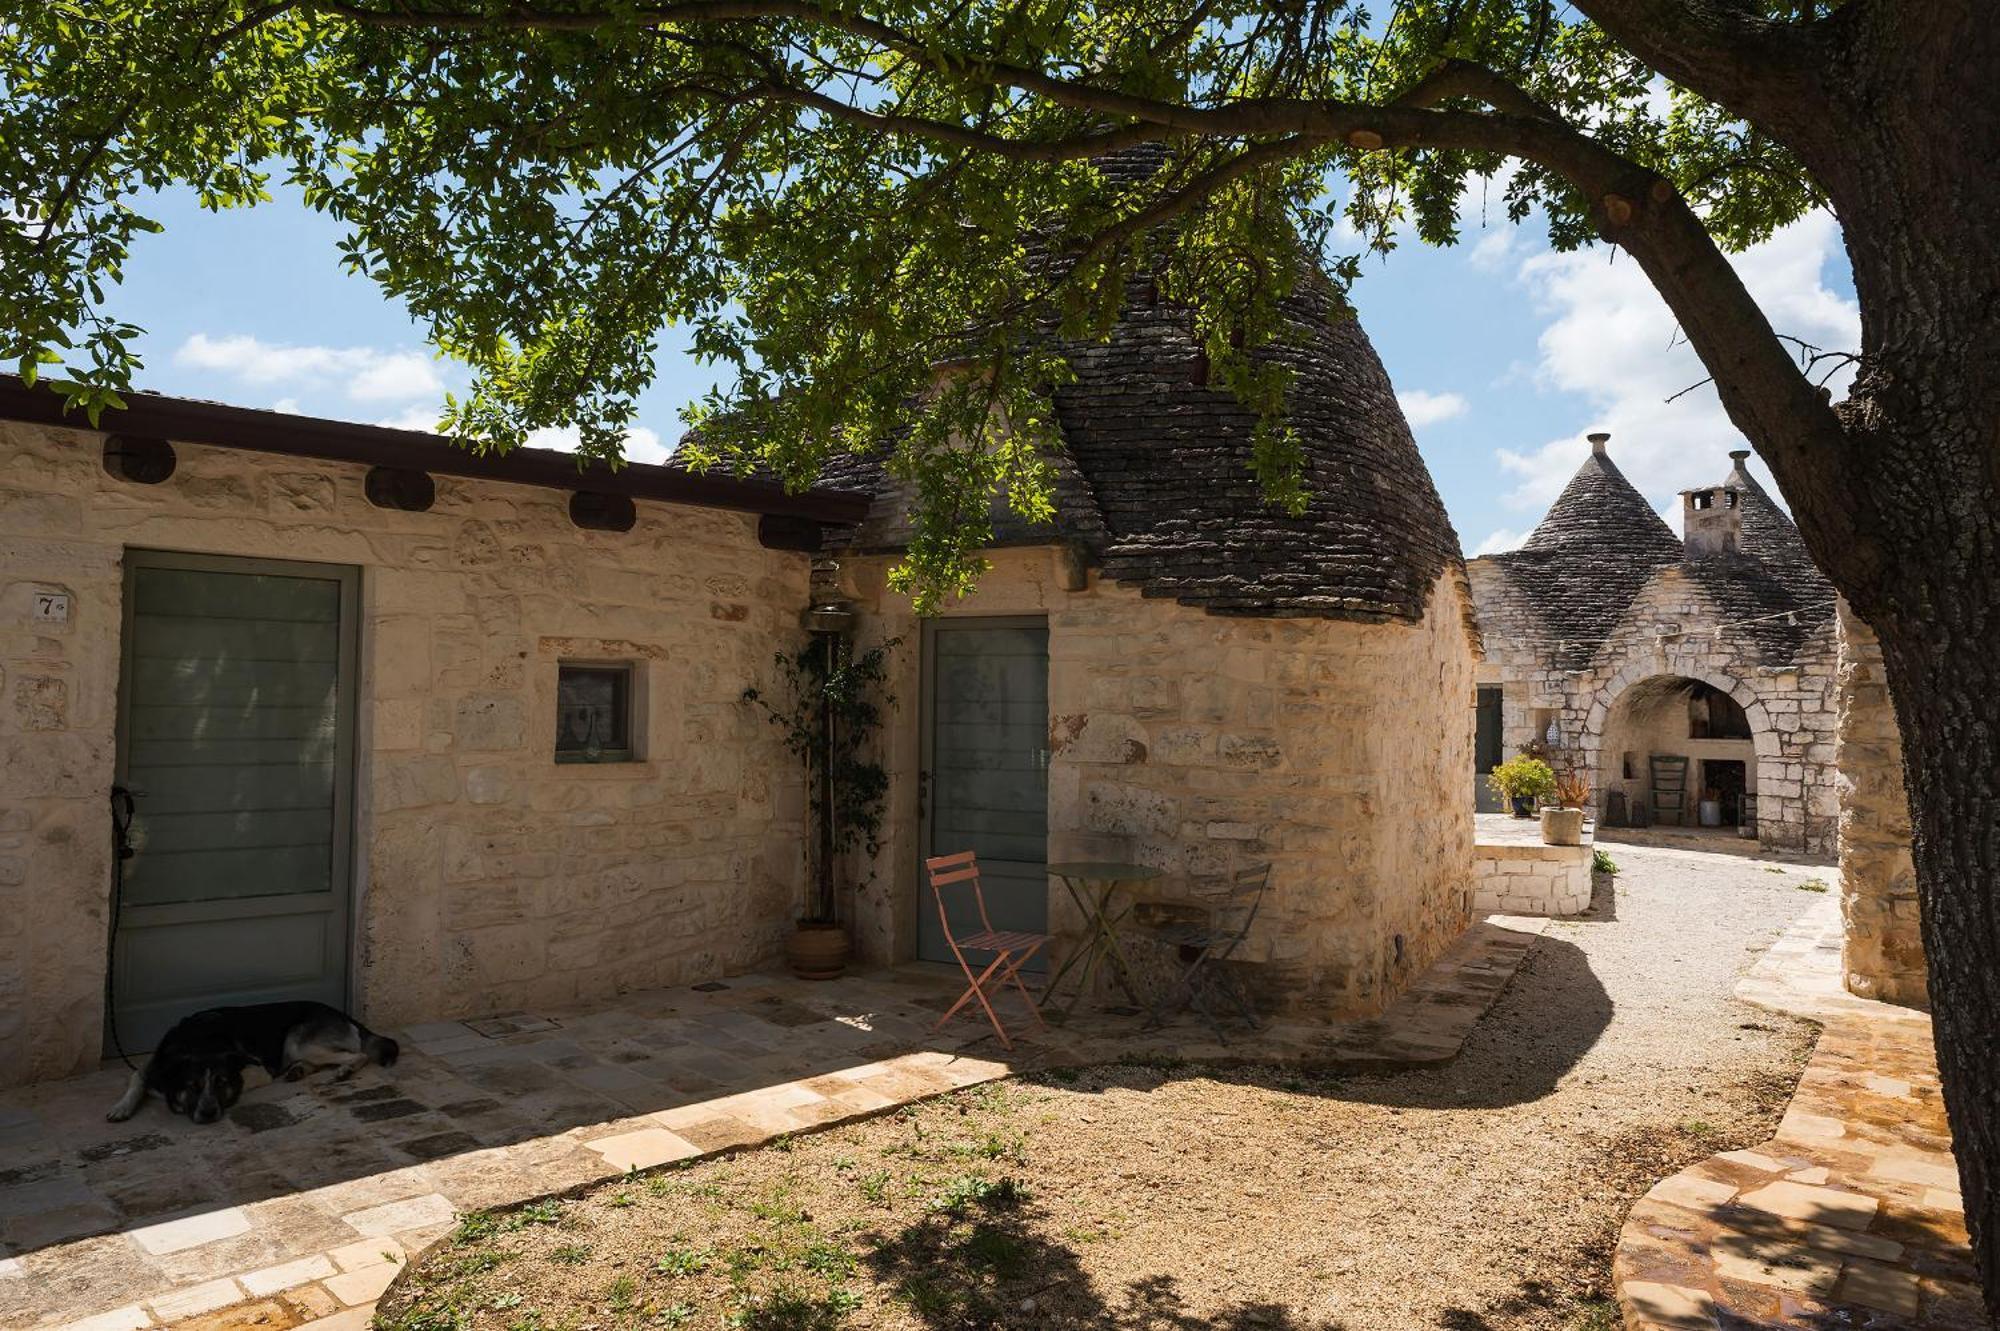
1204,947
1011,949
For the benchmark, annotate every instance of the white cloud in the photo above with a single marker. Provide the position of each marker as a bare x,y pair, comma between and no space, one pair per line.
1422,408
1612,341
421,416
363,374
641,445
1501,538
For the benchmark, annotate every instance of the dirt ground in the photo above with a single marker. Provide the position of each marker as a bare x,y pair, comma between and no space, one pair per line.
1484,1194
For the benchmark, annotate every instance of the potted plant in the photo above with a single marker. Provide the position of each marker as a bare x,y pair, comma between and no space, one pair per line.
833,708
1523,782
1562,816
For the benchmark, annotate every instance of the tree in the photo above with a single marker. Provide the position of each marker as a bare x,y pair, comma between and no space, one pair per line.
841,196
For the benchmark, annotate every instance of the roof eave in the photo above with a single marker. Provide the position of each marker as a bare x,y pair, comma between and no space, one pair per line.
221,426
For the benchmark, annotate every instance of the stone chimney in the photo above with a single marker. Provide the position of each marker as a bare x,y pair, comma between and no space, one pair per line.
1597,443
1712,518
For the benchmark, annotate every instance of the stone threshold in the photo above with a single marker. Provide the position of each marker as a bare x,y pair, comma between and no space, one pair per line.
1850,1216
755,1058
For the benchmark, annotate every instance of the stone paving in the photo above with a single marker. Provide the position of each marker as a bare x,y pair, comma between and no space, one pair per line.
300,1207
1850,1216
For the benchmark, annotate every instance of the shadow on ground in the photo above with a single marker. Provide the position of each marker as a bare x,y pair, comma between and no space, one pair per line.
948,1268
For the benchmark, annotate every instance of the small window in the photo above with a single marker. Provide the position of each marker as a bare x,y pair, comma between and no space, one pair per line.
594,714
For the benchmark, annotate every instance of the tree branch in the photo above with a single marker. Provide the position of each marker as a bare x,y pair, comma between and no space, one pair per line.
1759,68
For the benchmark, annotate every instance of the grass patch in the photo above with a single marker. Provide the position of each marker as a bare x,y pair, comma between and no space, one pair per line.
1812,885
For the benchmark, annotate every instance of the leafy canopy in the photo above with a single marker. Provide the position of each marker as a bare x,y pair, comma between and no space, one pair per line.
882,216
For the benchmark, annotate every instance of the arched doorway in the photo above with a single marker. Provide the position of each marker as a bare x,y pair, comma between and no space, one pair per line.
1680,750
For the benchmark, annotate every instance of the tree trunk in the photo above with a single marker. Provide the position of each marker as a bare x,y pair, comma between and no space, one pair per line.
1915,500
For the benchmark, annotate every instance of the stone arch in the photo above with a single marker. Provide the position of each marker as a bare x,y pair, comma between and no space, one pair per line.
1764,739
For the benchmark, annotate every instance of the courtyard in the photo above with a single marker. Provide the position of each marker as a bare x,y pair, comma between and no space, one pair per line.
1350,1179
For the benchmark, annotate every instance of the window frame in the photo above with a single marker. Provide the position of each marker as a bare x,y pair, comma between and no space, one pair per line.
625,706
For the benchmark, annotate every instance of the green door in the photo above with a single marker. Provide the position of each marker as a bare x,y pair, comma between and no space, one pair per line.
235,738
986,761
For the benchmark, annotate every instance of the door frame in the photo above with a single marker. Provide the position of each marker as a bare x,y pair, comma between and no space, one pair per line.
927,741
347,664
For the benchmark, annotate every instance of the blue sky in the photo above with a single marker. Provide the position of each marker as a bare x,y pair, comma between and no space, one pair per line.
1504,354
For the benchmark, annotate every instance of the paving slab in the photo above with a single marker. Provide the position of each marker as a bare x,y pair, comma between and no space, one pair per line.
1850,1216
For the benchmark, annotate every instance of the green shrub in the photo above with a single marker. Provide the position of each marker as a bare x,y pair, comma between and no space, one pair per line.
1601,861
1523,778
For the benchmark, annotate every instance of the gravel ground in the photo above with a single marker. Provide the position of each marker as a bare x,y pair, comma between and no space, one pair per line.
1483,1194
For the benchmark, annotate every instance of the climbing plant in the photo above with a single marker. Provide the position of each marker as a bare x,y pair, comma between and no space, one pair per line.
832,705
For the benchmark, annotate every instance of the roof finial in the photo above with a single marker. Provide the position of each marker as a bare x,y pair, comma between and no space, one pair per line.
1598,440
1739,455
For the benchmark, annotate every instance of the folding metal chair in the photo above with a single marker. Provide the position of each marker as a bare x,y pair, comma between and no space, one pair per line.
1204,947
1011,949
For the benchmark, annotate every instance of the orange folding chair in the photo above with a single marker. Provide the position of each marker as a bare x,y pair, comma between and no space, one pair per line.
1011,949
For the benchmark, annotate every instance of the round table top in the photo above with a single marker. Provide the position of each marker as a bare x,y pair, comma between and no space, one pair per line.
1100,871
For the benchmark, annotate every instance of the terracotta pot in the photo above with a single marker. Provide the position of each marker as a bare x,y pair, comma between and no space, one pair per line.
817,951
1562,827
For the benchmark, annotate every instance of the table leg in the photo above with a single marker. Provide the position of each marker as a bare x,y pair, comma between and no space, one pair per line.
1088,947
1121,966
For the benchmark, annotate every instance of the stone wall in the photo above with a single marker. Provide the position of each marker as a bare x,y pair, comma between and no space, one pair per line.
488,876
1882,949
1531,879
1669,631
1203,743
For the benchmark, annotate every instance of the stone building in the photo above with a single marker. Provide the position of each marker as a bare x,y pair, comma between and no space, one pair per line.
1220,684
1673,671
431,735
344,672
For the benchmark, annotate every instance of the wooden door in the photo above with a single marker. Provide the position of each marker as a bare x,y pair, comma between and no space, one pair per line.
235,738
986,758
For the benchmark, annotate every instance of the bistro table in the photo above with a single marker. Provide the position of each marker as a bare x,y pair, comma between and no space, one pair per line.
1091,884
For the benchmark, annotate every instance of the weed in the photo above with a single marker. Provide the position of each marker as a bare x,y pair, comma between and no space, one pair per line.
618,1295
787,1309
1695,1127
661,1186
677,1262
1004,1254
570,1254
875,1187
970,1189
829,1260
621,1200
1601,861
1772,868
1596,1315
502,1302
1812,885
675,1314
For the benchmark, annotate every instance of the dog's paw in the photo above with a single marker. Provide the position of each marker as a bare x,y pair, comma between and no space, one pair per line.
118,1114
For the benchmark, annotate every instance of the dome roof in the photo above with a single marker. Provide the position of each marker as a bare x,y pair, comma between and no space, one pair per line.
1153,474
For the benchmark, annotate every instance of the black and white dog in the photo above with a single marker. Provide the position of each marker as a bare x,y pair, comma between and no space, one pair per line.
198,1067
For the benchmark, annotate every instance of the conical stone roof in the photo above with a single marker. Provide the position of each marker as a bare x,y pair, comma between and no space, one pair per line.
1599,543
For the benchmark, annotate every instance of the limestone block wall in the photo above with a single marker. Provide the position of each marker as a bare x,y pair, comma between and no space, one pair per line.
1531,880
1202,743
1668,630
488,877
1882,946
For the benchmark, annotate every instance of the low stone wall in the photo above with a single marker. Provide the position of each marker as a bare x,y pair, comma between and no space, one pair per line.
1531,879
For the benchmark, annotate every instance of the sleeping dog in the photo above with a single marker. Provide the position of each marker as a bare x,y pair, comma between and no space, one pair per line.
198,1067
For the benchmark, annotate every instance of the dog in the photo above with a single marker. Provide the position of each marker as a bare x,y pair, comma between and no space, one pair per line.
198,1067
